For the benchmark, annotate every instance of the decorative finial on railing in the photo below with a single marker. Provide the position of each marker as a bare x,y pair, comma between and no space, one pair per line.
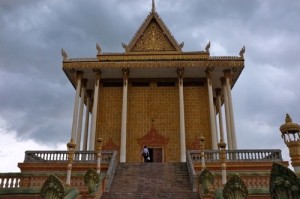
290,133
242,51
153,6
64,54
207,47
98,49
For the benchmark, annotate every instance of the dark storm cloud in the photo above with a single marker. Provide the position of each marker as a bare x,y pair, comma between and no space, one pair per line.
37,100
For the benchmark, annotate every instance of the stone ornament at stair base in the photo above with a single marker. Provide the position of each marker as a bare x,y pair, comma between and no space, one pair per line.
235,188
219,194
52,188
91,179
206,180
284,183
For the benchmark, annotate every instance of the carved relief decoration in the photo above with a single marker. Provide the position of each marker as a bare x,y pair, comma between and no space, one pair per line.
110,145
91,179
235,188
53,188
150,64
153,138
153,39
284,183
206,180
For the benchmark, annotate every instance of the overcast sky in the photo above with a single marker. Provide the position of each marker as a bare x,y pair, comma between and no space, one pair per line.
37,100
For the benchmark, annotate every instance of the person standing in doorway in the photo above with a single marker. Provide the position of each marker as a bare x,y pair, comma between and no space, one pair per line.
145,154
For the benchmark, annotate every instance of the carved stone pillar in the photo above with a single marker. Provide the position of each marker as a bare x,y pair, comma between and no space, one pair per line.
87,120
222,154
79,76
202,155
71,149
219,108
180,72
79,125
211,111
99,148
124,116
227,74
95,108
227,114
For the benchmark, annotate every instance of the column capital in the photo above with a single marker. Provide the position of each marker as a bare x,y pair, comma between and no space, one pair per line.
89,93
209,70
223,81
79,75
180,72
84,82
227,73
218,91
125,72
97,72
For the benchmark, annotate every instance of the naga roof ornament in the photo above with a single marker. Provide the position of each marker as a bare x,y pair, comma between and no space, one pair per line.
242,51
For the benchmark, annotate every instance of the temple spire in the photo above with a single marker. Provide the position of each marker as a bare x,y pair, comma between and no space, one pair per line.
153,6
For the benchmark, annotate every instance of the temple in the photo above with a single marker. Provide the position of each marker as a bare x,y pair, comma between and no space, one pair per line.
155,94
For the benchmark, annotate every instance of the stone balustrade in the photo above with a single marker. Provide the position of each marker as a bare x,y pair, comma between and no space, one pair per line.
62,156
238,155
10,180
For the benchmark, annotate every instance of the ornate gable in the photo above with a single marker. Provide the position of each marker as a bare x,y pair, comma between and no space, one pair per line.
153,138
153,36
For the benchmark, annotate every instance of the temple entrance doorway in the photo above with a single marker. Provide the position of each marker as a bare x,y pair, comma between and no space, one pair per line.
156,154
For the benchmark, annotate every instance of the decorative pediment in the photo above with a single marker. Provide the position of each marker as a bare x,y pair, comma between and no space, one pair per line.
153,138
153,36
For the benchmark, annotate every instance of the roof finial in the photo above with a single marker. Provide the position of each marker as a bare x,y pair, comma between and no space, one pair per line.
153,6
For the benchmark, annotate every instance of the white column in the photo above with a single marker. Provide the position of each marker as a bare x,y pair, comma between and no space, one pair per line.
218,92
124,116
86,125
228,86
215,114
181,115
79,127
79,75
94,114
211,111
227,114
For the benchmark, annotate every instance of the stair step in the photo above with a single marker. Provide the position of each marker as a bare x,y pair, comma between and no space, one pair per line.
151,180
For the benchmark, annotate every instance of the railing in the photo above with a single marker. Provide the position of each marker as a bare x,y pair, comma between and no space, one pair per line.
238,155
62,156
10,180
16,180
111,171
192,172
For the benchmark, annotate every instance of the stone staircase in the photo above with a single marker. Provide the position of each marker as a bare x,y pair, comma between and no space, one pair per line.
151,180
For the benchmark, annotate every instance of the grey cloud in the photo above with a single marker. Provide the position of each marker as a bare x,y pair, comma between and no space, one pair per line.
37,99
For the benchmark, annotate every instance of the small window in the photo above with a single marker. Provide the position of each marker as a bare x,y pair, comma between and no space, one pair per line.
112,84
193,83
165,84
140,84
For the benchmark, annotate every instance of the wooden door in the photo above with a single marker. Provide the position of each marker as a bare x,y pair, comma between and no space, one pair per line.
157,155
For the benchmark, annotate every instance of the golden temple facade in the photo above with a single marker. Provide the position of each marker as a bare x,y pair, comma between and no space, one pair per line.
154,94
